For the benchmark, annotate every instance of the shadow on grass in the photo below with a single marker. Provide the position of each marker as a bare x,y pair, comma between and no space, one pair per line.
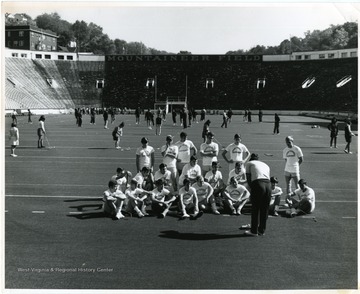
197,236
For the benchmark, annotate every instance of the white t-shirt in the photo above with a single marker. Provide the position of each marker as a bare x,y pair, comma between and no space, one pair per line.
237,151
292,156
238,193
191,171
121,181
258,170
108,195
308,194
203,191
160,195
188,196
170,156
207,149
165,177
145,156
134,193
139,178
277,190
240,177
184,150
212,178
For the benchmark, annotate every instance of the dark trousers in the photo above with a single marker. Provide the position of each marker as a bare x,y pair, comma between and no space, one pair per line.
276,128
260,200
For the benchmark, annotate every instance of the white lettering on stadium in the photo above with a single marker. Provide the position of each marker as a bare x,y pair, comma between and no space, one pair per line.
184,58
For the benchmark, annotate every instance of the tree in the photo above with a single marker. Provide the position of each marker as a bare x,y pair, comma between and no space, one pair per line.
53,22
81,33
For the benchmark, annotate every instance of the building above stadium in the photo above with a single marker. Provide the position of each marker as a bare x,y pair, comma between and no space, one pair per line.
28,37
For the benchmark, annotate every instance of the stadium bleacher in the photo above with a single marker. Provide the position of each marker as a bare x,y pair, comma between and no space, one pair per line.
66,84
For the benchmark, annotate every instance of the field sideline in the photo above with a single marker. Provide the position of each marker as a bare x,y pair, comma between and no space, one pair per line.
48,245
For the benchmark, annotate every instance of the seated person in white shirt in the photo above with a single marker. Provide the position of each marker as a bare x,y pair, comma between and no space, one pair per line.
236,196
239,174
160,206
166,176
188,201
205,195
215,179
276,193
190,171
113,201
302,200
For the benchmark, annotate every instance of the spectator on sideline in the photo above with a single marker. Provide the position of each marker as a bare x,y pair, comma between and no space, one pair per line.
206,129
276,124
29,116
334,129
106,118
41,132
14,138
348,136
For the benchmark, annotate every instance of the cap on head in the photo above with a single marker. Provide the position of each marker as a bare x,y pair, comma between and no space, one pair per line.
254,156
144,140
274,180
237,136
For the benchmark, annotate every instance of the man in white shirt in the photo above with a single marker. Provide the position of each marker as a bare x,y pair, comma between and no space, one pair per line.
302,200
238,152
188,201
205,195
236,196
159,205
215,179
145,155
190,171
170,153
185,147
293,158
239,174
209,152
163,174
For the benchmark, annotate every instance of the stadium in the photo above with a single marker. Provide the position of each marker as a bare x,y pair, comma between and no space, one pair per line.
57,235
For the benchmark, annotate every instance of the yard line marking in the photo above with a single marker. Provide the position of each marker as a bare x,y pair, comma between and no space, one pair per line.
54,196
38,211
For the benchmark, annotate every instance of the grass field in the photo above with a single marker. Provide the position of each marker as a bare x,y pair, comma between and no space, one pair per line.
47,246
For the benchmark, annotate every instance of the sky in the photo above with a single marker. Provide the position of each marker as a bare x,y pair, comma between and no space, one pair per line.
201,28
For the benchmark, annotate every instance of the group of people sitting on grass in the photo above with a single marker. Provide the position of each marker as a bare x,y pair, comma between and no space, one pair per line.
184,188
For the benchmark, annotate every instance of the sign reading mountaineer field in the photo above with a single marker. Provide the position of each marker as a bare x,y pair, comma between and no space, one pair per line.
183,58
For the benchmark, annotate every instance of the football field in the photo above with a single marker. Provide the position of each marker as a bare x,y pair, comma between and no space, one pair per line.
56,237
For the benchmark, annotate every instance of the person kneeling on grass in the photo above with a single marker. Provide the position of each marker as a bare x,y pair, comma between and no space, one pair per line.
136,199
189,201
205,194
236,196
159,205
113,201
302,200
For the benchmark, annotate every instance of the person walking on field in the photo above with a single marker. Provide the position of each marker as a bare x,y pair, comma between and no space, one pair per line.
334,129
276,124
258,177
29,116
41,131
106,118
14,139
348,136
